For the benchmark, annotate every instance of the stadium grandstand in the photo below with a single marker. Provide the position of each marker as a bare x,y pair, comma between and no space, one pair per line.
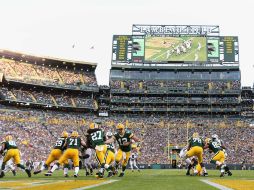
47,82
162,86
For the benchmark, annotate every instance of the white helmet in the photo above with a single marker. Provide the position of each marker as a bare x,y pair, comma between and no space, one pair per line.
109,134
215,137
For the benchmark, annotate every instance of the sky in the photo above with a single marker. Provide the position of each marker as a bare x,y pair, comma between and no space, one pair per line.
51,27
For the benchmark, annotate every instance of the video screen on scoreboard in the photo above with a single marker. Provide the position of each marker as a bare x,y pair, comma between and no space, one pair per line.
161,49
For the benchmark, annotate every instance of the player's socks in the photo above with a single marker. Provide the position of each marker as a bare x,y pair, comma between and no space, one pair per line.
21,166
65,171
54,167
76,170
13,172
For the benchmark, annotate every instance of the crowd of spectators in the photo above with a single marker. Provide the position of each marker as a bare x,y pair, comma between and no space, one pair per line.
36,132
46,74
46,98
173,99
168,84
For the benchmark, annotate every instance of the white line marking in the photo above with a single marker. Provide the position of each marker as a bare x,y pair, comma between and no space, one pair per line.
216,185
96,185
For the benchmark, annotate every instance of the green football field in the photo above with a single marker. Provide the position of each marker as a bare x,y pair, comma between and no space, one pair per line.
145,180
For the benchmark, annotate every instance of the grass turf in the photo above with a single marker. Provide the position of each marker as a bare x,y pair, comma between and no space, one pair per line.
145,180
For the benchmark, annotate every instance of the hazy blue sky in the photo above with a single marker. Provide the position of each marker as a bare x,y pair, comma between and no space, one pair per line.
51,27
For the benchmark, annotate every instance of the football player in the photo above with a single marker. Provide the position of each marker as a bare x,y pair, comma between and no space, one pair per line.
73,143
9,166
12,153
110,155
195,148
95,139
134,157
55,154
87,156
123,137
219,156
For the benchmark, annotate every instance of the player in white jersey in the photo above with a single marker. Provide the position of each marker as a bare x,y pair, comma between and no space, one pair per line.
133,158
88,155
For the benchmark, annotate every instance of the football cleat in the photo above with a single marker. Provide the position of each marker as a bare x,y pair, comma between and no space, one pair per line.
110,174
75,175
230,173
37,172
222,174
49,173
2,174
205,174
87,173
121,174
100,175
28,172
66,175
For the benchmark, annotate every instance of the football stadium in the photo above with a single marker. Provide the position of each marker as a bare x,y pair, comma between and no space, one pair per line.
174,116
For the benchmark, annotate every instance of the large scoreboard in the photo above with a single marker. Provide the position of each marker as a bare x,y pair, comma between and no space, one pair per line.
174,44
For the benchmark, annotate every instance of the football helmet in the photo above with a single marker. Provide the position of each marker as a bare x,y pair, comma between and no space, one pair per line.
120,126
93,126
195,135
74,134
64,134
109,134
215,137
207,140
8,138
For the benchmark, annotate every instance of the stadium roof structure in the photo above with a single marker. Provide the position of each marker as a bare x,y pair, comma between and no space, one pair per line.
43,59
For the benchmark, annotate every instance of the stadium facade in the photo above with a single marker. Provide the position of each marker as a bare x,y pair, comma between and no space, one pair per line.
160,70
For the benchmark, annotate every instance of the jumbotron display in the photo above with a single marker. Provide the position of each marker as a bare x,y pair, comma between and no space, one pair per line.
168,44
158,49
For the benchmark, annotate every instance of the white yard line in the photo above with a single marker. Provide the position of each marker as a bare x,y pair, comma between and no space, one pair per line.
96,185
216,185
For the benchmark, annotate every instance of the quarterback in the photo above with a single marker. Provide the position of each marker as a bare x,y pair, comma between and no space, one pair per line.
123,137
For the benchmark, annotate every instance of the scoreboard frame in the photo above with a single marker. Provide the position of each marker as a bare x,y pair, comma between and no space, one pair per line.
130,49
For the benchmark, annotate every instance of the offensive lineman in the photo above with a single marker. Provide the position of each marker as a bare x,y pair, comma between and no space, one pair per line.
195,148
55,154
73,143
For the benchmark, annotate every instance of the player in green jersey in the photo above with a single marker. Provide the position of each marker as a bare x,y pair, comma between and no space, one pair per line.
124,139
73,143
12,153
56,153
195,148
95,139
218,159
